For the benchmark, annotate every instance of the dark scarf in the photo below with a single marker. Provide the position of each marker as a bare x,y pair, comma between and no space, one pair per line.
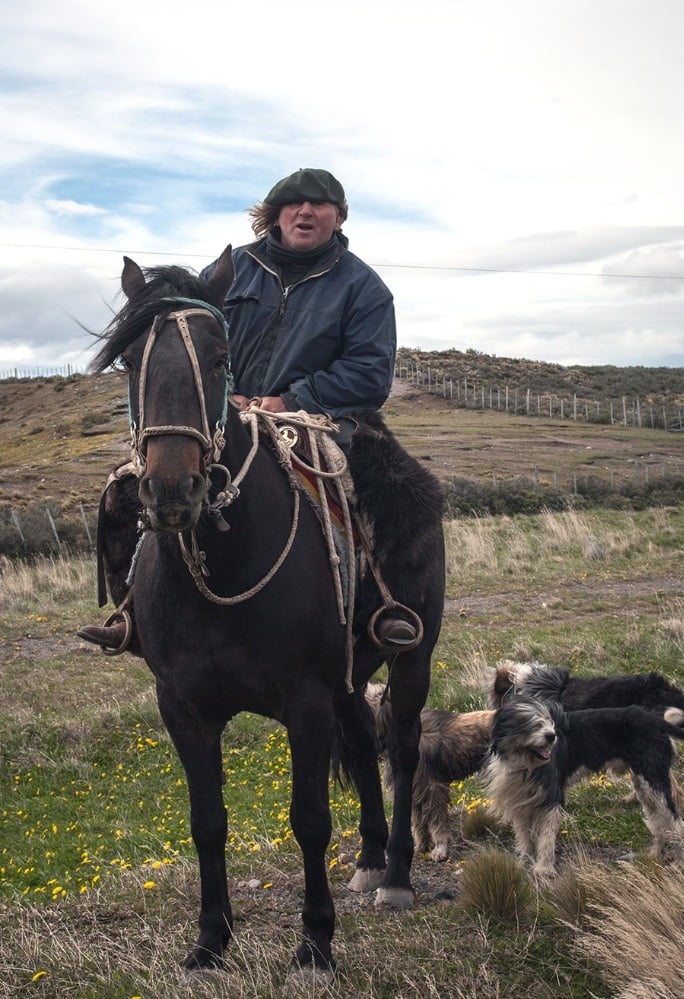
293,265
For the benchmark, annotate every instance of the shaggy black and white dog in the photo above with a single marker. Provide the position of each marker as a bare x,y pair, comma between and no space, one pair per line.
648,690
537,749
453,746
554,683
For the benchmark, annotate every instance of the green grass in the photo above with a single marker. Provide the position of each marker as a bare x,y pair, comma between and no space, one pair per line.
122,803
98,878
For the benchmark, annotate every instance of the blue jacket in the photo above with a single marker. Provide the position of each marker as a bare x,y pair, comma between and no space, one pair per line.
326,343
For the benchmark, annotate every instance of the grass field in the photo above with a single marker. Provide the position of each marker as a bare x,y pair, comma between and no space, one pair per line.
98,882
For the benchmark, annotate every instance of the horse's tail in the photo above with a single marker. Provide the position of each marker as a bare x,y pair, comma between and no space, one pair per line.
355,740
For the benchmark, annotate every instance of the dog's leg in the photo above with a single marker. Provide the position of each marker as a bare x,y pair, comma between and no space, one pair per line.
439,800
524,840
420,807
662,820
545,832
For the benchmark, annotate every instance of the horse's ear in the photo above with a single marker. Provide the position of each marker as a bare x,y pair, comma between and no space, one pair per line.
132,278
222,278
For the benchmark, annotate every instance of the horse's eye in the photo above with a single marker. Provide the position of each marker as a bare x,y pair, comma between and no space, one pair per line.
221,363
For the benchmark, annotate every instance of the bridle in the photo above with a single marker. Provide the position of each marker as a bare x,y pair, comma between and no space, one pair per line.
212,443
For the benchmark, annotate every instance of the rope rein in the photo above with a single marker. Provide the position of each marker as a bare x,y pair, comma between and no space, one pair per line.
328,463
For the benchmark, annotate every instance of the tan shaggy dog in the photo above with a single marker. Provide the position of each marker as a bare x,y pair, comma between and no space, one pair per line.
453,746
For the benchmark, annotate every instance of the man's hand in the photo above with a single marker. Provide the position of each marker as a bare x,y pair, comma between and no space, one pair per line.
269,403
273,404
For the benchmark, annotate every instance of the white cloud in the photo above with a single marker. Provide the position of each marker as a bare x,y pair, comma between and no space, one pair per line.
521,137
68,207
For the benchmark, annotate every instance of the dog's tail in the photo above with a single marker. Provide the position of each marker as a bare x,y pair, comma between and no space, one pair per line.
674,722
355,738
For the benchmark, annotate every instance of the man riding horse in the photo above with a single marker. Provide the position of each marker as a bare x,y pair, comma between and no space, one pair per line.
312,327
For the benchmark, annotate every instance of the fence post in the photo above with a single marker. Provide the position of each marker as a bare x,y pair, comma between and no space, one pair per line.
85,524
53,526
15,520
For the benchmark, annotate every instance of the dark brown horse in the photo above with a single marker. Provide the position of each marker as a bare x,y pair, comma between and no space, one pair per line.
273,642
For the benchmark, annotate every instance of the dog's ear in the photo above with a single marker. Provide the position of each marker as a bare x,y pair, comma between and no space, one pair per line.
503,685
558,715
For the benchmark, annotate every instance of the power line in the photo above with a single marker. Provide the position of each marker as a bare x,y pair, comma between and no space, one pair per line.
522,270
410,267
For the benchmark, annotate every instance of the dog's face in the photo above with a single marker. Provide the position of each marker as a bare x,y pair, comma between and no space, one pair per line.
524,729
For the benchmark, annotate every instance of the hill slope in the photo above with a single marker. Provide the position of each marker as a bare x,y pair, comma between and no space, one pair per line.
59,437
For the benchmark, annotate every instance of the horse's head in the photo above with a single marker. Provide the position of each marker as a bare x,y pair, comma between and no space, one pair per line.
177,359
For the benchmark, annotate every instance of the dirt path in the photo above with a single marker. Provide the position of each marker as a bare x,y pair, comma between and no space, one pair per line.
622,594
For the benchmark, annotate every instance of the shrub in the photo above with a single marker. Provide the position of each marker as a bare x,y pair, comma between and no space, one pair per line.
494,886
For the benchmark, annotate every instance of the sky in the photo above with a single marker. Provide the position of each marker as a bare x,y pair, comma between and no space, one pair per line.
514,170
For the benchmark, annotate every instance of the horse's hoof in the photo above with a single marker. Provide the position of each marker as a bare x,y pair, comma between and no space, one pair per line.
395,898
365,880
310,976
201,959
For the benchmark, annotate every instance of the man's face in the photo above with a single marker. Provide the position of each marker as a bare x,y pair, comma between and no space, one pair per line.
309,224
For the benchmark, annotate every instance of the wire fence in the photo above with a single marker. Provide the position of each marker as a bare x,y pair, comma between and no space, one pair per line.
55,371
39,529
469,394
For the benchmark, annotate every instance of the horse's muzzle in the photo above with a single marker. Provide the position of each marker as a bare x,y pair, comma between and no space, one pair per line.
175,505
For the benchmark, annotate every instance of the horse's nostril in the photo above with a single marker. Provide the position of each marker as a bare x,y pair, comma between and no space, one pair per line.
147,490
197,485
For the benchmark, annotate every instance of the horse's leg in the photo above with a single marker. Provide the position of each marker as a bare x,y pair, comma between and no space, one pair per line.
310,737
359,759
199,750
410,678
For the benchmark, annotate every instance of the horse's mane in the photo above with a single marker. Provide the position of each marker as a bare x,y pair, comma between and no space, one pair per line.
138,312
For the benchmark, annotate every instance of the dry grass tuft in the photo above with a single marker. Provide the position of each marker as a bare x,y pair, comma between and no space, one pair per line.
573,891
494,886
636,932
52,579
479,822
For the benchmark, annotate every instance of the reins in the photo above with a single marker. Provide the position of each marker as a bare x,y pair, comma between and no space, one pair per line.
327,463
324,452
195,559
212,445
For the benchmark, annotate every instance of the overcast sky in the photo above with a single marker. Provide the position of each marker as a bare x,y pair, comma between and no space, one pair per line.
515,170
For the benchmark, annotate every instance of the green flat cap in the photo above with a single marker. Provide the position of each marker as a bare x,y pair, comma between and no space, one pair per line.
306,185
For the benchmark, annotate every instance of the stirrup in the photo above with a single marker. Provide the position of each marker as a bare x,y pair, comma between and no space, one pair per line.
387,608
128,621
